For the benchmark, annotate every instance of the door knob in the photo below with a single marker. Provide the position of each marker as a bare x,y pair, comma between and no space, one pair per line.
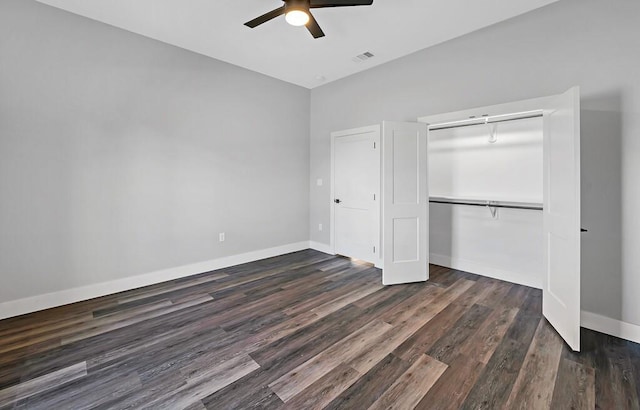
337,201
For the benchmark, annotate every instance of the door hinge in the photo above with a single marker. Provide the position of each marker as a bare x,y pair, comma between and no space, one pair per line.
374,197
374,145
374,249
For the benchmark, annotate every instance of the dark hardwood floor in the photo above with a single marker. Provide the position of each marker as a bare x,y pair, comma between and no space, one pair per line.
310,331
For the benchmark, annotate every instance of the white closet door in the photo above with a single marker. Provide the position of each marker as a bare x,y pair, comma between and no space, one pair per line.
561,285
356,186
405,203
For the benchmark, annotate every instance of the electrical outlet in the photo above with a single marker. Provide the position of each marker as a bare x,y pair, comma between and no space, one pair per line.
319,183
221,236
320,227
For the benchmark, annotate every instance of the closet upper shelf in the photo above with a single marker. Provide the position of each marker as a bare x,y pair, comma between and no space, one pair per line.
485,119
480,202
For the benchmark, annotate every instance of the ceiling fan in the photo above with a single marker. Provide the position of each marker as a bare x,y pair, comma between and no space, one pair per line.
297,13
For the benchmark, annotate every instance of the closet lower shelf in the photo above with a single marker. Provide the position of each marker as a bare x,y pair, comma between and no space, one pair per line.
486,203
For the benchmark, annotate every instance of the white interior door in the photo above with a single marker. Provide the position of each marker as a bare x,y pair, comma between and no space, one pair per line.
356,193
561,285
405,203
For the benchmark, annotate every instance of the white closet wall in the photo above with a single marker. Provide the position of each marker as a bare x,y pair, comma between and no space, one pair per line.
463,164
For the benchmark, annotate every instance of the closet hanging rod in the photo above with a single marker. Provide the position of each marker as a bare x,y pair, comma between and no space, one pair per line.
480,121
490,204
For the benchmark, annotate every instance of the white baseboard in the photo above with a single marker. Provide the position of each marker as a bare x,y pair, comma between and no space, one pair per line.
64,297
480,269
321,247
18,307
613,327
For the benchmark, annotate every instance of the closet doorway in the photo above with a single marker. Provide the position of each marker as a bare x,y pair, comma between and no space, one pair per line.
355,216
505,198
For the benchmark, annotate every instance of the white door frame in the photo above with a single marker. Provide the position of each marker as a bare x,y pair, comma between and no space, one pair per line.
375,130
531,105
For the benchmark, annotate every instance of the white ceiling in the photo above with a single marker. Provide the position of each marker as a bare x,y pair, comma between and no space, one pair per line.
389,29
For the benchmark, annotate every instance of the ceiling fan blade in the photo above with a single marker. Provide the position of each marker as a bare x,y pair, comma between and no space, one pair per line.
314,27
316,4
265,17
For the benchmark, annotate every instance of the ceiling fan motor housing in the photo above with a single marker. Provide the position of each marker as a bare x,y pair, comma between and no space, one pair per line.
290,5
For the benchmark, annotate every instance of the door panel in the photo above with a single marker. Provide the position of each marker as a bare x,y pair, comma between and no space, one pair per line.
356,186
406,239
561,285
405,203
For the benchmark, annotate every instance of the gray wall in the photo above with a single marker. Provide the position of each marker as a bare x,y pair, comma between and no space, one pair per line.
590,43
120,155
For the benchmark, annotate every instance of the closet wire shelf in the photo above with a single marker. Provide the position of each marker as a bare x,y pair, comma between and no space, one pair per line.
485,203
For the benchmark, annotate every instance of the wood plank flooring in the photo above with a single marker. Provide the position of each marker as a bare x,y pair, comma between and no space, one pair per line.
310,331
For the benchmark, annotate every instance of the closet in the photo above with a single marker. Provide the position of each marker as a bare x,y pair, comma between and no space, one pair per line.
486,197
493,191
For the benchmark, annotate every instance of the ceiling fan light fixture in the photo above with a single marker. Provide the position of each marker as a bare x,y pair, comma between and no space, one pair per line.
297,17
296,12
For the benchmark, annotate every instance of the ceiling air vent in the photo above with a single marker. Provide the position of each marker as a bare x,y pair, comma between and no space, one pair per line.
362,57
